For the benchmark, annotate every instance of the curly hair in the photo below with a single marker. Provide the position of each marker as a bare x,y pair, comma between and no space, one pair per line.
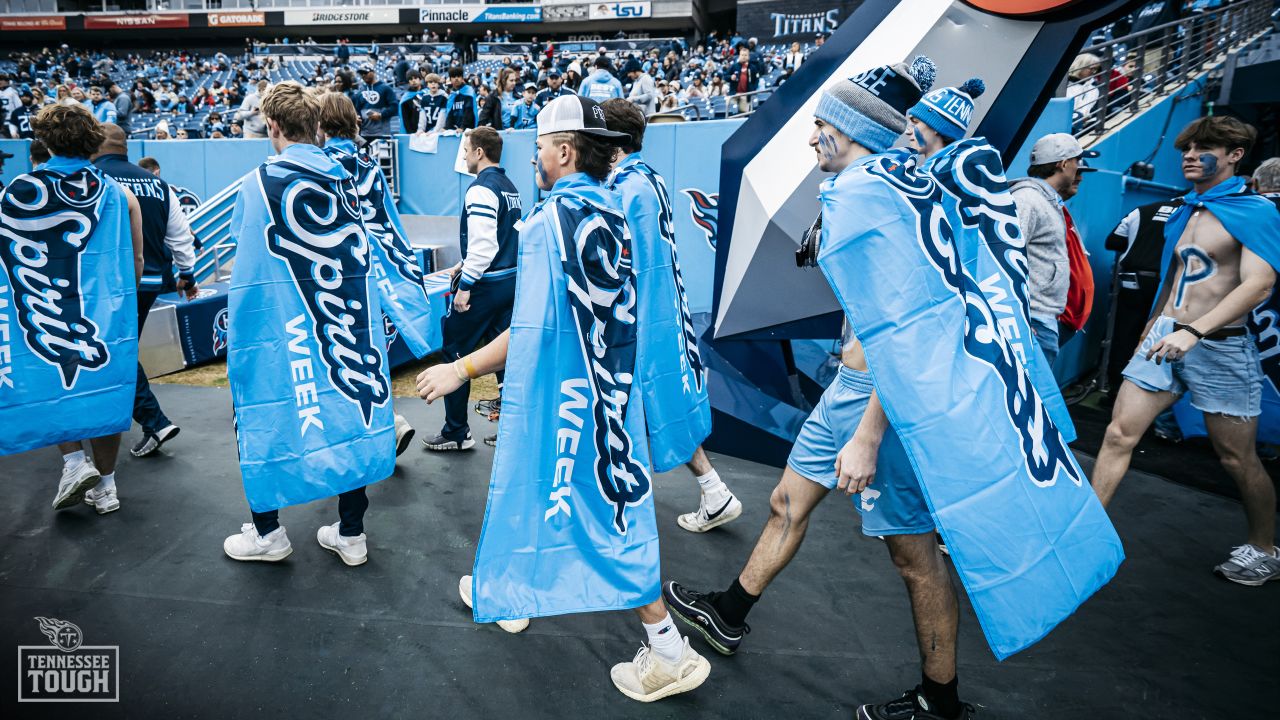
68,130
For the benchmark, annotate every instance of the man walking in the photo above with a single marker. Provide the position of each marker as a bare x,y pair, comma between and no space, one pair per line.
486,277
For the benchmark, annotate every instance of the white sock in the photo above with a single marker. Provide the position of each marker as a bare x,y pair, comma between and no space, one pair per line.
665,640
72,459
711,483
108,482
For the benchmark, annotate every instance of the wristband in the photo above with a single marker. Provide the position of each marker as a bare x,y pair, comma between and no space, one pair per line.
1182,326
471,369
461,375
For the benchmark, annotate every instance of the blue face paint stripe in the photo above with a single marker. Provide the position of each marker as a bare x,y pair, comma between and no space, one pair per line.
1208,164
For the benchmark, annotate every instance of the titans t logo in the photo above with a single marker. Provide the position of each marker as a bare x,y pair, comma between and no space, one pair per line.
315,228
703,209
595,248
46,219
1043,447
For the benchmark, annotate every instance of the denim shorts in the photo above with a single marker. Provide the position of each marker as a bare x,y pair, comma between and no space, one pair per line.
1224,377
893,503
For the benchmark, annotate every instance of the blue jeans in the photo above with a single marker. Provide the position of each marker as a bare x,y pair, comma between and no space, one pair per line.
1046,332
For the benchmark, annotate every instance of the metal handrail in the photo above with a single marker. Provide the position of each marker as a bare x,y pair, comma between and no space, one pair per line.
677,110
1137,70
730,101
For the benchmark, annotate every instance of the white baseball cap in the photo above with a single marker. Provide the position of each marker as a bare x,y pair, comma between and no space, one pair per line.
1057,147
575,113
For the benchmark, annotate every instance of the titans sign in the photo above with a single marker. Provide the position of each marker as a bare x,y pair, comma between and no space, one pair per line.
320,235
46,218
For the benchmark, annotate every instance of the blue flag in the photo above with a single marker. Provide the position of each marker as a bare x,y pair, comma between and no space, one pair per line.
984,221
396,268
570,524
1026,532
306,356
68,307
671,373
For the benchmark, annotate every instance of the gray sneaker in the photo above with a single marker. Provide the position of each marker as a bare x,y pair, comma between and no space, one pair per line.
1250,565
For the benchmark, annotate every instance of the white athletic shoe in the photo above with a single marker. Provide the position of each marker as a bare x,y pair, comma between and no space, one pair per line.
103,500
511,626
404,434
712,512
76,481
248,545
649,677
352,550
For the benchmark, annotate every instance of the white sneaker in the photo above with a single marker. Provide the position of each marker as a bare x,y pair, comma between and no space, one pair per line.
649,677
712,512
511,626
248,545
76,481
104,500
404,435
352,550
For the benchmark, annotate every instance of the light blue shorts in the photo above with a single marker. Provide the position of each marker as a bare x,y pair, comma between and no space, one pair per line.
1224,377
893,504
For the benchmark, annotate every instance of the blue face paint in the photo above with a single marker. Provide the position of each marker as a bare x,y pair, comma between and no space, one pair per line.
537,164
827,145
1209,165
919,137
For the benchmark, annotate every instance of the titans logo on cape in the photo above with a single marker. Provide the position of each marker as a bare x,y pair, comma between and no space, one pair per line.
595,248
667,230
320,236
974,174
373,190
220,331
390,330
55,214
703,210
1043,447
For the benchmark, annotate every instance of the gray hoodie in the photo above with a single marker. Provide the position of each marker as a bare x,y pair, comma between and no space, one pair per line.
1045,230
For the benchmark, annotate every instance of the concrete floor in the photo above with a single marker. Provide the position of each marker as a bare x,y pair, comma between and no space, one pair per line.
204,636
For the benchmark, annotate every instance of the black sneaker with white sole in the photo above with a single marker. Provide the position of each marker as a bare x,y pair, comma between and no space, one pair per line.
698,612
911,706
151,442
440,443
491,440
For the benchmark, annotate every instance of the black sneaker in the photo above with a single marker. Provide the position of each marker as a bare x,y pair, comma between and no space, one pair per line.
911,706
151,442
441,443
491,440
698,612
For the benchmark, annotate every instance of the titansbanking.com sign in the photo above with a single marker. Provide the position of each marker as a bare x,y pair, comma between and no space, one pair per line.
67,670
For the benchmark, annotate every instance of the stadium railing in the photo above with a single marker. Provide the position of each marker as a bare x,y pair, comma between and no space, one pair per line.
1136,70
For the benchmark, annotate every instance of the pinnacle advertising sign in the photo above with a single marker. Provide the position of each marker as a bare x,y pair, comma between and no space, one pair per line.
452,14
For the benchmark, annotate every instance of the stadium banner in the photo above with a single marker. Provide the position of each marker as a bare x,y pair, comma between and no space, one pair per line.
136,21
569,12
19,23
612,47
620,10
789,20
236,19
374,16
480,14
329,48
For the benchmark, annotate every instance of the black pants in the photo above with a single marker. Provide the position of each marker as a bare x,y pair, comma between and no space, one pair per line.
487,317
146,409
1133,308
351,507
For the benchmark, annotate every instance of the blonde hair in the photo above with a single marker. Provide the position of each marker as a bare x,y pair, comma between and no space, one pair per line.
294,110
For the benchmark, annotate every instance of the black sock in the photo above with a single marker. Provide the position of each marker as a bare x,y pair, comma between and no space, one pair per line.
734,604
943,697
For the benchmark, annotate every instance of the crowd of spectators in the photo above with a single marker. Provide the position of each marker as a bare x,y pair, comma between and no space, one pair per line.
186,94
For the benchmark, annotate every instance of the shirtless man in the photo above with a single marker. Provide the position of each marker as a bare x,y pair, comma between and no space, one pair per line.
1221,266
